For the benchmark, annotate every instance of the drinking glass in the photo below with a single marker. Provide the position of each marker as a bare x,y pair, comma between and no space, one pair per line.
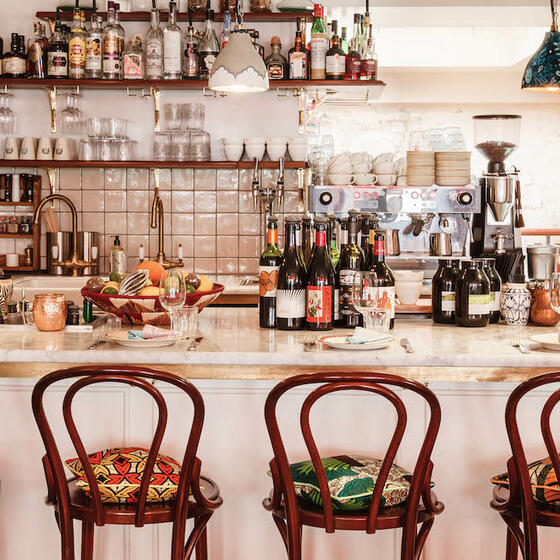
200,146
187,321
94,127
173,113
192,116
162,146
71,119
365,298
555,292
7,116
172,295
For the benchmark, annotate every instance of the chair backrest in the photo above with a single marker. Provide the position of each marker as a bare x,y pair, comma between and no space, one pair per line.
378,384
520,483
142,378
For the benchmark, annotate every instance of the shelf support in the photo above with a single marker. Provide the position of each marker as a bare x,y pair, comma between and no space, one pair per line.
52,100
156,95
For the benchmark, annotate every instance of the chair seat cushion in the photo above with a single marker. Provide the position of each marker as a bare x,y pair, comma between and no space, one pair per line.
544,483
351,482
118,472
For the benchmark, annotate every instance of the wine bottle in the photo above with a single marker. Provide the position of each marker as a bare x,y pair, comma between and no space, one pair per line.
292,280
350,264
307,240
472,296
385,278
364,222
495,289
270,262
320,282
334,252
444,284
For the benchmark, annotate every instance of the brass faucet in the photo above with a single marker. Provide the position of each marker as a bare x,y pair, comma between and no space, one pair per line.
75,263
158,222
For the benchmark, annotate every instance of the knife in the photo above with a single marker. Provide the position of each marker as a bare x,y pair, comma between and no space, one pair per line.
407,346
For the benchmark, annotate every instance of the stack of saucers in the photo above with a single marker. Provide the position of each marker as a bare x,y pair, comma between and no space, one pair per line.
453,169
420,168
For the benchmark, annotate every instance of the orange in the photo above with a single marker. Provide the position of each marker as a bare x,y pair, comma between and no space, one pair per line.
156,271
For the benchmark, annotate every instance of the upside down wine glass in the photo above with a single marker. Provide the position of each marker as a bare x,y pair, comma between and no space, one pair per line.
172,295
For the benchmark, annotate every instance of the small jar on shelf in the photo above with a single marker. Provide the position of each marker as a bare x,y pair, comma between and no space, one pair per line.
25,226
3,224
13,224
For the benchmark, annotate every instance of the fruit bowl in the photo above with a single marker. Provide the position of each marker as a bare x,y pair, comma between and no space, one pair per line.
146,310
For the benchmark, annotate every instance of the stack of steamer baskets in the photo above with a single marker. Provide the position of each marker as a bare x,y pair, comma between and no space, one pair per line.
421,168
453,169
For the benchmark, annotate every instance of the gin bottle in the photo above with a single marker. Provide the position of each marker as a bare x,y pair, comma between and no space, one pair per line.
154,49
172,46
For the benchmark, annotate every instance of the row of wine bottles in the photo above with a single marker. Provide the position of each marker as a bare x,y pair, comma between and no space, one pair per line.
309,285
469,295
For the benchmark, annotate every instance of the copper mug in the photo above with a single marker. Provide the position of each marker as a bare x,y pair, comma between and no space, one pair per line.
49,312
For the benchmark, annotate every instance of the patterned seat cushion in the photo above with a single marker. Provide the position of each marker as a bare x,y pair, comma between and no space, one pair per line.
119,471
544,483
351,482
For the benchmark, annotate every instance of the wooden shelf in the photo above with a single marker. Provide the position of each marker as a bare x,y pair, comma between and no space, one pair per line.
18,269
257,17
144,164
16,236
32,83
12,204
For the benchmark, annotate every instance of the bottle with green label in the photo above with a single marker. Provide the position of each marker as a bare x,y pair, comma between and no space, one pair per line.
443,291
472,296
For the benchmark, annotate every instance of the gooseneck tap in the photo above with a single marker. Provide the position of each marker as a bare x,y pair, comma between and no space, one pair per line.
75,263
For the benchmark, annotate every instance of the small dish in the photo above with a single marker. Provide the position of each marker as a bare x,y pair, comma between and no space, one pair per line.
340,343
550,341
121,337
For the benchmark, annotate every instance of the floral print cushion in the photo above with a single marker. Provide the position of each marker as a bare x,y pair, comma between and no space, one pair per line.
544,483
351,482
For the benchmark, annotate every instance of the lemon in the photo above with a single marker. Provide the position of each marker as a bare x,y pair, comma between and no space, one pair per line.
206,285
149,291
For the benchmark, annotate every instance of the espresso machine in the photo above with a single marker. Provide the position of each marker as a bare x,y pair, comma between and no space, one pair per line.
497,228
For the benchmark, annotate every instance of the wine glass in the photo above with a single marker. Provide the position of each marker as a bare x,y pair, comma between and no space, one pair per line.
365,296
172,295
7,116
71,119
555,292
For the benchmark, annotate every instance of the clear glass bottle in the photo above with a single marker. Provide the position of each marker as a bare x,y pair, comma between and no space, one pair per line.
209,47
57,56
344,40
37,53
133,59
353,62
113,45
77,48
225,33
191,54
368,68
94,40
154,49
275,62
172,46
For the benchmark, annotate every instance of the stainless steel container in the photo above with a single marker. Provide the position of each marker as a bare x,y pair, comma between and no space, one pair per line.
440,244
392,242
541,261
59,248
89,251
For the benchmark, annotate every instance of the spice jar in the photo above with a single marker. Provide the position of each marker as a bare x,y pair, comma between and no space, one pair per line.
49,312
541,311
24,225
3,224
13,224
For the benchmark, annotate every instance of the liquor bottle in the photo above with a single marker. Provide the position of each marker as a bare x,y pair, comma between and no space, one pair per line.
154,49
269,265
225,33
444,284
113,45
489,266
94,41
15,62
208,48
353,62
319,45
299,56
368,68
472,296
336,59
385,278
307,240
57,55
343,233
320,282
350,264
77,49
1,55
191,54
364,221
333,247
275,62
299,243
172,46
344,40
37,53
363,39
292,282
133,59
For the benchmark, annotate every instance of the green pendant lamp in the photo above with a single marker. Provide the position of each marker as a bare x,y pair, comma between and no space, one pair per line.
543,70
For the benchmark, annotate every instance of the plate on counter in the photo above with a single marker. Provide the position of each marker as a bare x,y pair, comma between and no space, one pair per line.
121,338
340,343
550,341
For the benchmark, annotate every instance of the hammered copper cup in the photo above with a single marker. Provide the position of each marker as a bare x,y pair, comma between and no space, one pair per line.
49,312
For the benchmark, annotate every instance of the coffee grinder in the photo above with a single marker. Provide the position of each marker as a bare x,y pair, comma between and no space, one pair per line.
497,229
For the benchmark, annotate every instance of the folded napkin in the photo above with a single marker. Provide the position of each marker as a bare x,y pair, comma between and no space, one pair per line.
364,336
149,331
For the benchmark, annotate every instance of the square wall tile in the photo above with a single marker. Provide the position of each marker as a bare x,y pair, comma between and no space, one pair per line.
115,201
227,245
187,241
248,266
291,202
227,265
205,246
93,221
137,179
204,179
227,201
115,178
205,224
291,180
249,246
165,198
227,179
228,279
164,179
137,201
134,242
115,223
183,224
92,179
6,246
182,179
70,179
246,202
245,179
250,224
138,223
93,201
205,265
227,224
269,178
154,244
205,201
188,263
182,201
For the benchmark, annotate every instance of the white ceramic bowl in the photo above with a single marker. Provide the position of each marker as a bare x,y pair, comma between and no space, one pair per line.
255,151
298,152
408,285
255,140
361,168
386,180
364,178
340,179
233,140
277,140
275,152
233,152
384,167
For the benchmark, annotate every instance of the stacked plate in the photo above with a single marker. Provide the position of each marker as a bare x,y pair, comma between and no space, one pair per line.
420,168
453,169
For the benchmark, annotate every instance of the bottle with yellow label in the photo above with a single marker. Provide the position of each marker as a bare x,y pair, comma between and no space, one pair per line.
77,48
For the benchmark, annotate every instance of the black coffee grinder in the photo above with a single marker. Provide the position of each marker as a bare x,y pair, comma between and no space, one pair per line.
497,229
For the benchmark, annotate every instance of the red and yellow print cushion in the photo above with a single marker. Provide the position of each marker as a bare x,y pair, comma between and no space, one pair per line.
119,471
544,483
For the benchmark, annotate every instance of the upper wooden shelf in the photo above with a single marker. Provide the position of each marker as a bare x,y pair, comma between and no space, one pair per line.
32,83
145,164
257,17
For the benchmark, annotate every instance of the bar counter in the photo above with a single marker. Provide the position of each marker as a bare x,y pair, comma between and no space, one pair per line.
234,347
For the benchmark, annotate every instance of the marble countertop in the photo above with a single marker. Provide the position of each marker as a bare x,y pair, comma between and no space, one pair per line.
235,347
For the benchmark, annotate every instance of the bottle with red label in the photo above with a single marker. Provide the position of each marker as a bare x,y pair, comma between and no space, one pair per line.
270,262
292,280
385,277
320,282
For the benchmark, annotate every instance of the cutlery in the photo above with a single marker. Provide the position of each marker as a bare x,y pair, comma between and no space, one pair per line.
195,342
406,345
516,343
309,342
101,334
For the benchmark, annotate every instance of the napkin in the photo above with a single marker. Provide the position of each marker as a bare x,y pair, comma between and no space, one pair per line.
149,331
363,336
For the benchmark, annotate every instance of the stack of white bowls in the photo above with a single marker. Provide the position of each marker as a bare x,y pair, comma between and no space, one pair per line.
361,169
408,285
233,148
453,169
385,168
297,148
341,169
420,168
276,148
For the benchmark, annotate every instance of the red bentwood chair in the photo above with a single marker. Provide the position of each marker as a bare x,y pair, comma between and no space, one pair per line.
70,502
290,513
522,501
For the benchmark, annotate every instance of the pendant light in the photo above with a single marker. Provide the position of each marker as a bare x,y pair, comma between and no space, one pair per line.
543,69
238,67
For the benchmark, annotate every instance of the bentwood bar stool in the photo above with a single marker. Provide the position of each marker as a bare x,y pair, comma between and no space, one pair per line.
126,486
528,495
376,493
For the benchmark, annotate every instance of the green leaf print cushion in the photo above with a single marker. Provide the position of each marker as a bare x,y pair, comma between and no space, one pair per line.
351,482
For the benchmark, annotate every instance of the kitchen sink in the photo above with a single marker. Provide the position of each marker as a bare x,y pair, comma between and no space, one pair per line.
67,285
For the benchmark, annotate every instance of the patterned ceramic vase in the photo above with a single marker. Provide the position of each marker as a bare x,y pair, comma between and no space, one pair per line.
516,304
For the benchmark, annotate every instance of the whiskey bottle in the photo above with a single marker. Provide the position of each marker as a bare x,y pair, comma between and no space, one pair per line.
57,55
275,62
154,49
37,53
336,59
298,56
344,40
172,46
15,61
